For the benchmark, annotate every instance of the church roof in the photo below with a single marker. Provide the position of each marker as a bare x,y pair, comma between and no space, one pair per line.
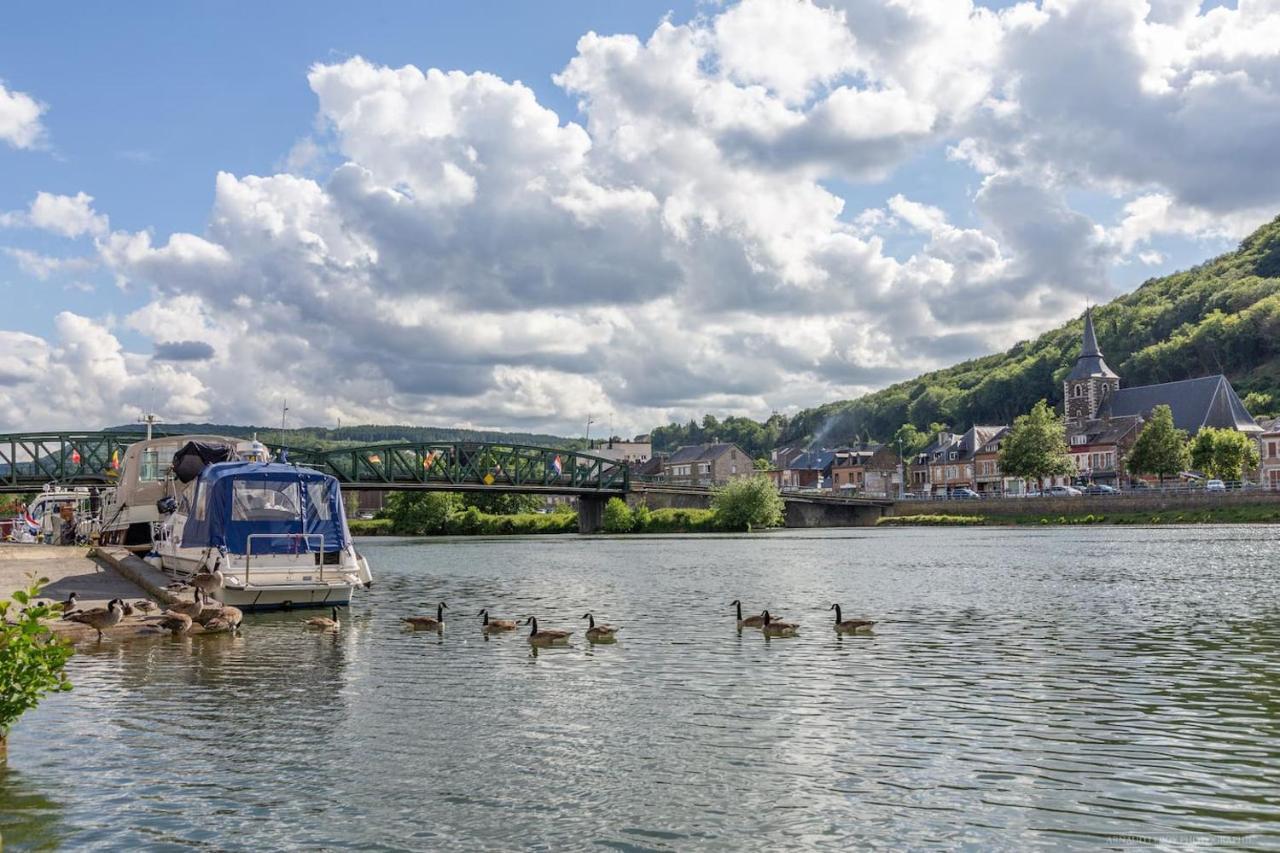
1090,363
1195,403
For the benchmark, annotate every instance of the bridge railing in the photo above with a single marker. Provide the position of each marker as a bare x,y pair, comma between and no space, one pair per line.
469,465
30,460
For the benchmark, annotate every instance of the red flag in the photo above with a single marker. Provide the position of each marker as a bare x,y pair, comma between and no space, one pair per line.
75,456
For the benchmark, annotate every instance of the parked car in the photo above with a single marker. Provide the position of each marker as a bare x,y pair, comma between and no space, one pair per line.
1215,486
1101,489
1063,492
963,494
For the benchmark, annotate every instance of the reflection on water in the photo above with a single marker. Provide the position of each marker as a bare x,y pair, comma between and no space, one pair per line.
1020,688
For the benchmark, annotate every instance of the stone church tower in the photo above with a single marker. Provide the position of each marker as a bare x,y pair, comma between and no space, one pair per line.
1090,383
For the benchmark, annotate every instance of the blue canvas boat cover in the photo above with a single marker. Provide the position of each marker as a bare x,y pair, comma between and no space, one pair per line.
285,508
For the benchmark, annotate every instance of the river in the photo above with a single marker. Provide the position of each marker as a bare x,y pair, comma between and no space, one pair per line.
1023,688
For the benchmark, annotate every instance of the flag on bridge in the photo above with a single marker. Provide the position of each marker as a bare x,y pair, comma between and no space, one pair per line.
557,467
115,460
75,456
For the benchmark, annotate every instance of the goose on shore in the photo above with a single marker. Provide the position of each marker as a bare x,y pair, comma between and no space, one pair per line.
849,626
218,624
144,605
750,621
599,633
545,637
232,615
174,623
775,628
426,623
100,618
325,623
496,624
207,582
192,608
69,606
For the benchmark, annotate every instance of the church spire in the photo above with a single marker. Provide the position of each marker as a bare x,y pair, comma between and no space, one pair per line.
1090,364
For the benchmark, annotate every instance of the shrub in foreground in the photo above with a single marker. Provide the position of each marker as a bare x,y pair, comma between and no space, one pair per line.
32,657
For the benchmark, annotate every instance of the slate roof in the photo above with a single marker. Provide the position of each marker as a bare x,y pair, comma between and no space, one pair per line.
812,460
1207,401
1104,431
1090,362
699,453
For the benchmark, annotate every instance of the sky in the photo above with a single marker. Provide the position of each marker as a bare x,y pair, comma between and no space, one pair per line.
518,215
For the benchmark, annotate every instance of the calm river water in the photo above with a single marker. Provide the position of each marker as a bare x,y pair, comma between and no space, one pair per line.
1024,688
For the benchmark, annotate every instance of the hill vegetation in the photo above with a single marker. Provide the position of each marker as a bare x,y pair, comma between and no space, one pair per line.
306,437
1222,316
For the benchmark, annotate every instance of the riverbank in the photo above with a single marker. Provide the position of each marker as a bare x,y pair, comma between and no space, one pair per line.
1197,515
482,524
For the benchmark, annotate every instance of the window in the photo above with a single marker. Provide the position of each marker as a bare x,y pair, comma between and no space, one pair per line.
952,457
1271,449
149,470
1077,440
318,497
202,500
704,467
265,500
1078,391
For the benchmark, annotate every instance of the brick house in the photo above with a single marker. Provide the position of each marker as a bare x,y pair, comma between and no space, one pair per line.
807,469
1269,454
869,469
707,465
948,462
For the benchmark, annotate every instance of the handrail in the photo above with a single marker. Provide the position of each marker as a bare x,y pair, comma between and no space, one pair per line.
295,536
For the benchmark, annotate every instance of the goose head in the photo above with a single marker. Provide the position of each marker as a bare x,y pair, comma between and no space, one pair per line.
765,618
836,608
591,623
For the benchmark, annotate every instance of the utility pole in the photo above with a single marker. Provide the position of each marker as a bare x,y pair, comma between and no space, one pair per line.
284,410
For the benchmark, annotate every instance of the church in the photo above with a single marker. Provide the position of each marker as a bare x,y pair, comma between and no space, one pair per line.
1103,420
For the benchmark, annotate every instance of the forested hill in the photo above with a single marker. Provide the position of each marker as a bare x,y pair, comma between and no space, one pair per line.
366,434
1220,317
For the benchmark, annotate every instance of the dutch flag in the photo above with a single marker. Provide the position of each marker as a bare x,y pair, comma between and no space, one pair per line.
557,467
33,526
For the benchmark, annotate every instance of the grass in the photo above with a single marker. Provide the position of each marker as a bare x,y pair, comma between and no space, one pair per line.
930,520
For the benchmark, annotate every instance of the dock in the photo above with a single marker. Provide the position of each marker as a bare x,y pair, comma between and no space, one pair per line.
96,576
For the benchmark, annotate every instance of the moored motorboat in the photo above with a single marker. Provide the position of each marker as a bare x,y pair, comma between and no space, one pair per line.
275,534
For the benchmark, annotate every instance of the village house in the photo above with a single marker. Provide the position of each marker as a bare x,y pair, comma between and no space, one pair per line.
807,469
1104,420
634,452
948,462
707,465
868,469
987,477
1269,454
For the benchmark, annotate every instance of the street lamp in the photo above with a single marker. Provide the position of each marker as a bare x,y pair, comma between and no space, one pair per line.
902,472
590,421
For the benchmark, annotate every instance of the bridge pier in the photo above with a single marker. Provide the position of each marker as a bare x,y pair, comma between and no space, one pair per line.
591,513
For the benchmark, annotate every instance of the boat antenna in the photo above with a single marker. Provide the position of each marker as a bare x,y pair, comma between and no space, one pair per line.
150,419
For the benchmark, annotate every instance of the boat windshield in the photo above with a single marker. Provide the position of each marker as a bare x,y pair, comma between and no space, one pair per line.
265,500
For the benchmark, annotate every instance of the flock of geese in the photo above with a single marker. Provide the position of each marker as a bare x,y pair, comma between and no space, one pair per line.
209,613
595,633
215,617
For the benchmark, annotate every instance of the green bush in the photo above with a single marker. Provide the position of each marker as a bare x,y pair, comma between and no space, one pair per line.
420,513
370,526
640,519
32,657
930,520
748,502
682,521
617,516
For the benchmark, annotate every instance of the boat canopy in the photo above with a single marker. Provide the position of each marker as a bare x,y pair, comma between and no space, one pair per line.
286,509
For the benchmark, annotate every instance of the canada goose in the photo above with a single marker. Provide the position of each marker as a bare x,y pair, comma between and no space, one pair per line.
69,606
207,582
232,615
126,608
426,623
598,633
496,624
192,608
325,623
144,605
218,625
174,623
545,637
848,626
207,612
750,621
775,628
101,617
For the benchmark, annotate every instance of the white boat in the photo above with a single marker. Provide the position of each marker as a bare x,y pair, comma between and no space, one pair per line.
131,511
44,517
277,532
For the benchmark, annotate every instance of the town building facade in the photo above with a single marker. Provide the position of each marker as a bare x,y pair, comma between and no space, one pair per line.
707,465
1269,454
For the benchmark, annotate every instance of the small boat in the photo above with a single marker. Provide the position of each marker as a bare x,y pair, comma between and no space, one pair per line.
276,534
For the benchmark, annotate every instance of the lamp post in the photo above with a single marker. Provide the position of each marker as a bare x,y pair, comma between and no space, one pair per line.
902,472
590,421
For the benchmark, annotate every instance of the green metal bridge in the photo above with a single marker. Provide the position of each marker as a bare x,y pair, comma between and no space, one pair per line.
29,461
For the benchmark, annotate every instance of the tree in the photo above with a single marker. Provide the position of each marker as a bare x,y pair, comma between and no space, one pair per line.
762,464
1036,447
748,502
617,516
32,657
1161,449
1223,453
501,503
421,513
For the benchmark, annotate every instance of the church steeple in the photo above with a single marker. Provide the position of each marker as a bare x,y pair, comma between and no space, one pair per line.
1091,382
